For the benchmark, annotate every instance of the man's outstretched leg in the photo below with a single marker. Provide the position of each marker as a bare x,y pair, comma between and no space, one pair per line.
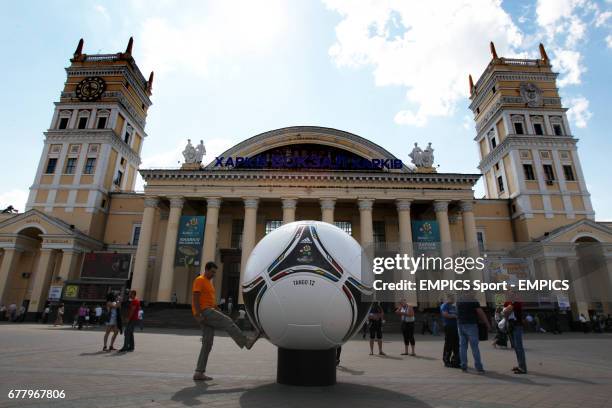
216,319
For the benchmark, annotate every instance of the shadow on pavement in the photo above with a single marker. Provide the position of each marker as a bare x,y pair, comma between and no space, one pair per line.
189,395
350,370
341,394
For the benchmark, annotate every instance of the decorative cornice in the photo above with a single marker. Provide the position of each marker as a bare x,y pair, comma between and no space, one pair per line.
403,204
365,204
522,142
347,176
94,136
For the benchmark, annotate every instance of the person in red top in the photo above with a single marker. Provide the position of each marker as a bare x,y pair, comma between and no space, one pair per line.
132,321
513,312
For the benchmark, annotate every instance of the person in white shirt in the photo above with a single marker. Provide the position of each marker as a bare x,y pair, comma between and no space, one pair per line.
98,312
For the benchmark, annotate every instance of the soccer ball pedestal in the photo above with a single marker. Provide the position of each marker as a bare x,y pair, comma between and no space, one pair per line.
306,367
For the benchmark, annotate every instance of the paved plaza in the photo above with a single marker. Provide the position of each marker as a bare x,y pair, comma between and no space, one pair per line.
571,370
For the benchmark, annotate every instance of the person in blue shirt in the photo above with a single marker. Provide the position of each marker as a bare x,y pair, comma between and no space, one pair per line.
448,310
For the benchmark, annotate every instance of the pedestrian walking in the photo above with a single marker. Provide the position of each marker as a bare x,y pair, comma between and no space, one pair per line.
141,319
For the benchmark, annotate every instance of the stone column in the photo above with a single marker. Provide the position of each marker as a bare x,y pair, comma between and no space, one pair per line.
471,244
365,221
9,261
69,261
42,279
327,209
405,245
289,205
166,277
141,263
209,247
441,208
469,226
578,288
248,237
405,227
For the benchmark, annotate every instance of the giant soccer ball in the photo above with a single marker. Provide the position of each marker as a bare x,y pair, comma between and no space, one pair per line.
303,288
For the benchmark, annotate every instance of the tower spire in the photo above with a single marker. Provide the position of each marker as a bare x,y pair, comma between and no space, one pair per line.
150,83
543,52
128,49
493,52
471,84
79,49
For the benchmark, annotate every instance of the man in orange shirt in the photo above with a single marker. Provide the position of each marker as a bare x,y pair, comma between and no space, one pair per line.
206,312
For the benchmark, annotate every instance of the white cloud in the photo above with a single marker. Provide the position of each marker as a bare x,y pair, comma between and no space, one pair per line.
602,18
428,48
16,198
189,38
568,64
100,9
609,41
579,112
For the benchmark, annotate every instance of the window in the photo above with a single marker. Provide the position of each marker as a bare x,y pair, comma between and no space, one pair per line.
494,90
119,178
272,225
82,122
518,128
63,123
135,234
558,129
537,128
568,172
481,241
500,184
548,172
528,170
101,122
493,143
379,232
70,165
90,165
103,203
345,226
51,164
497,166
237,226
126,138
122,162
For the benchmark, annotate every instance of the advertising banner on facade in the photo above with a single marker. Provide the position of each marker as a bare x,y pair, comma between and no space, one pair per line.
425,236
55,293
106,265
189,240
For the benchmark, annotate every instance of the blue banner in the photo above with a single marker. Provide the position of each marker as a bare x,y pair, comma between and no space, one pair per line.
189,240
425,236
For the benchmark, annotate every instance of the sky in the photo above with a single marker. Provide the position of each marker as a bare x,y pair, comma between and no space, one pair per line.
392,71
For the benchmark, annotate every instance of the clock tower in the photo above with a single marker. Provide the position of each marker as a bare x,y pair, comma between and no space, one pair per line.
528,153
92,147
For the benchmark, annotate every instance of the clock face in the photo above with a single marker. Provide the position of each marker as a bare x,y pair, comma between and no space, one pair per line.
90,89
